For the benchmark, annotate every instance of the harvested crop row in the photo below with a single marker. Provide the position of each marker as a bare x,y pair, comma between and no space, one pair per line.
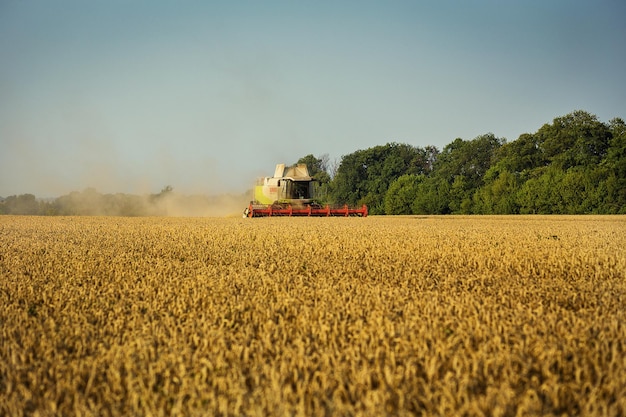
325,316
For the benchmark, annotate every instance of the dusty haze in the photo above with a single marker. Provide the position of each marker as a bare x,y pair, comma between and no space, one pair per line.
201,206
90,202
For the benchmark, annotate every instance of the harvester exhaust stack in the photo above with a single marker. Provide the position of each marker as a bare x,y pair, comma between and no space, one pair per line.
291,192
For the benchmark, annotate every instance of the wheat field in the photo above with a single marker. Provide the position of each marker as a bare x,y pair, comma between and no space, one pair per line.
469,316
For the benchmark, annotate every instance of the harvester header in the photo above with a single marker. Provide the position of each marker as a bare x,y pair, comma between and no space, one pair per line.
291,192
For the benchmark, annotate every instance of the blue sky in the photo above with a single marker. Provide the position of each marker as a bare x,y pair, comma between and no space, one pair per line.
131,95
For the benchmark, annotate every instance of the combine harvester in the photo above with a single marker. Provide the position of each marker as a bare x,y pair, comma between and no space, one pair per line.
291,192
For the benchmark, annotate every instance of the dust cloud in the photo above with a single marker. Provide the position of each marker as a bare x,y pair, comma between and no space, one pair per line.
225,205
90,202
94,178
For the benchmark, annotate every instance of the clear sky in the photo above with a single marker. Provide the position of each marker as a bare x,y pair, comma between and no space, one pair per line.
132,95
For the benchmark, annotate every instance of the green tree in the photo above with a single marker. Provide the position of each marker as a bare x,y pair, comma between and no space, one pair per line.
498,194
364,176
616,153
433,197
576,139
462,165
25,204
401,194
521,155
461,192
614,182
542,194
573,192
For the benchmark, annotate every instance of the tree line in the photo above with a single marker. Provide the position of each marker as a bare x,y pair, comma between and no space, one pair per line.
574,165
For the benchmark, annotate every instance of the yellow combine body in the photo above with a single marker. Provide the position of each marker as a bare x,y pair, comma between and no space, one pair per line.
291,192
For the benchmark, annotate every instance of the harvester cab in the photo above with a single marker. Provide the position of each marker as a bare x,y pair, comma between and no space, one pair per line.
291,192
293,185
